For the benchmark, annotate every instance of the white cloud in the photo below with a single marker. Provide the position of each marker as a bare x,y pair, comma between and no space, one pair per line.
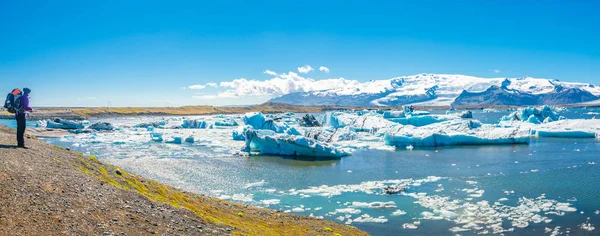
305,69
197,86
211,97
200,86
270,72
496,71
324,69
283,84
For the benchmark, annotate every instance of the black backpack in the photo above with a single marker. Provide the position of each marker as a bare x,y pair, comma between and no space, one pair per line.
13,101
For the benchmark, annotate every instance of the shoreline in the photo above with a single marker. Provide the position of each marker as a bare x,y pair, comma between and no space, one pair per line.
53,190
266,108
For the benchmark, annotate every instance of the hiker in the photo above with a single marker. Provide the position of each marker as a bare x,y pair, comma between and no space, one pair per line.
22,107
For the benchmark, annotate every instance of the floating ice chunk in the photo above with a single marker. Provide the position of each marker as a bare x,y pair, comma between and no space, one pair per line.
196,124
270,201
389,204
156,137
574,128
410,225
349,210
290,145
242,197
366,218
189,139
257,184
368,187
331,135
455,132
102,126
298,209
409,147
63,124
587,226
503,199
226,122
533,115
174,140
258,121
398,212
364,123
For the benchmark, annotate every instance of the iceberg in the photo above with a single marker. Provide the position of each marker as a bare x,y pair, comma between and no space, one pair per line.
332,135
156,137
196,124
156,124
63,124
533,115
239,133
226,122
189,139
422,120
258,121
292,145
575,128
309,120
101,126
175,140
454,132
365,123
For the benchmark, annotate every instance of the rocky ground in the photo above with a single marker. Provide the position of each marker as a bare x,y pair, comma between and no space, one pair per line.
47,190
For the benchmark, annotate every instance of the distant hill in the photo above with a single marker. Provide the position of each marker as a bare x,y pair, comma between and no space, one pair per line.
446,90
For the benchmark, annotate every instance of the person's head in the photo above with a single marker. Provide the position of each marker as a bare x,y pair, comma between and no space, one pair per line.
26,90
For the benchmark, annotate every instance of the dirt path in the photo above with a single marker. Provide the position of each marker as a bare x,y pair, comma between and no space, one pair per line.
47,190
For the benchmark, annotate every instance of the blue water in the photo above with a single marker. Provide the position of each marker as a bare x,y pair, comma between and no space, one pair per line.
562,169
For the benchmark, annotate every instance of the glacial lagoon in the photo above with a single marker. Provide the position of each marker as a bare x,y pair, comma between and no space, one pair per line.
547,186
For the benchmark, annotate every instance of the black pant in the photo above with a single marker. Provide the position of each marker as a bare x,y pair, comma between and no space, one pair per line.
21,123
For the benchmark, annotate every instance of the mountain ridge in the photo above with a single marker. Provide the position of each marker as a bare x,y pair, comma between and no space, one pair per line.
448,90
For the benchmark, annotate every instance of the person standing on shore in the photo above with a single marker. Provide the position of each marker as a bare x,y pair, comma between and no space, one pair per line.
22,107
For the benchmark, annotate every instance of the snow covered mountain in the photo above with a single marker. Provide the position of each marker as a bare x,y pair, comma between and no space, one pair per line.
445,90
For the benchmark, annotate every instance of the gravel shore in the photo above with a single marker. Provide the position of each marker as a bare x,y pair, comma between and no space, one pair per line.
48,190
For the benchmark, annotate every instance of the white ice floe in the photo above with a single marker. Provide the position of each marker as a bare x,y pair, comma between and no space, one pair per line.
389,204
482,215
587,226
398,212
242,197
298,209
270,201
454,132
413,225
256,184
572,128
368,187
349,210
366,218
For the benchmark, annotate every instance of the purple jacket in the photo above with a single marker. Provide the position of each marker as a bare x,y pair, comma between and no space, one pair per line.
25,104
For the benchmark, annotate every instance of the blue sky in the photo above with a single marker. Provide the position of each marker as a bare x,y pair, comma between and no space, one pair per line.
143,53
